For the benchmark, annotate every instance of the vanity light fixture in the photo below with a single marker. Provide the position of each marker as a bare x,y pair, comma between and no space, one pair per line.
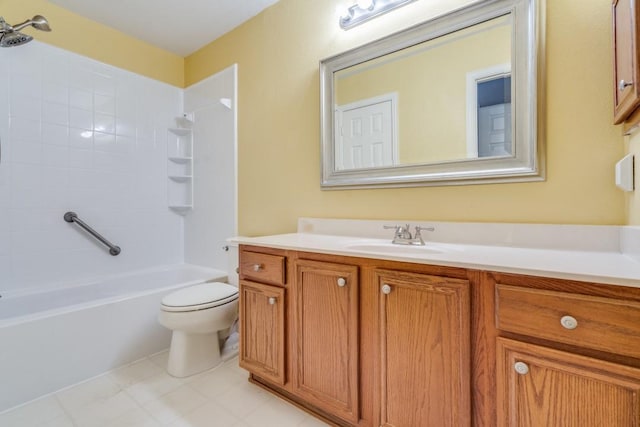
364,10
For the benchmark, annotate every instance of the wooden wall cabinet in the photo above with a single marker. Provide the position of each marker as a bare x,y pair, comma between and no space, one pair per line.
626,63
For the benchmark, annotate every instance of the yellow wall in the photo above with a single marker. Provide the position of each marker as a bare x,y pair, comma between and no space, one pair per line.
85,37
279,155
431,85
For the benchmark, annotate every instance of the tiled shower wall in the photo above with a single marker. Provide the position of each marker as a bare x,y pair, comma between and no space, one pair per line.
78,135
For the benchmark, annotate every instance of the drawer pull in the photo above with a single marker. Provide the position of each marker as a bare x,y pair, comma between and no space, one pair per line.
257,267
521,368
386,289
569,322
341,282
272,300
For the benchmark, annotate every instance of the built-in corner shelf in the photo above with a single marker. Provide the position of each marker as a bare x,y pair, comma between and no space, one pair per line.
180,167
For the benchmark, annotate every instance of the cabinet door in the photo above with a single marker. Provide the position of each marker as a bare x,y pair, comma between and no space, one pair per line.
424,350
625,71
262,342
538,386
325,337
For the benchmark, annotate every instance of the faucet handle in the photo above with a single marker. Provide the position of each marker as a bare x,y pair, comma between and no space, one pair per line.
399,228
402,234
417,237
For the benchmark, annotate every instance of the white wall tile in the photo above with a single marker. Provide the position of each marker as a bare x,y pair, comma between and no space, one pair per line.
79,118
82,136
55,113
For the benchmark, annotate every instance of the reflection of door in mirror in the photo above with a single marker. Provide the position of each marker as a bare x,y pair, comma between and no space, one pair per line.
489,112
366,133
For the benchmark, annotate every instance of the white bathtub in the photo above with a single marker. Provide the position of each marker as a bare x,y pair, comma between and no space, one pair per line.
54,339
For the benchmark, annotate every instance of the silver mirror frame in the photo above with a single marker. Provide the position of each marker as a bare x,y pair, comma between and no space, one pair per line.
527,64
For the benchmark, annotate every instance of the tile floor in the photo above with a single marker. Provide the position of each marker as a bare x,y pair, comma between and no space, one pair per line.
142,394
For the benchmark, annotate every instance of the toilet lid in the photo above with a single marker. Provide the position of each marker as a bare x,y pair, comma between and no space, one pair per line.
198,295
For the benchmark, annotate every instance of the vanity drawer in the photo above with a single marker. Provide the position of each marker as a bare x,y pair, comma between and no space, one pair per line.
263,268
606,324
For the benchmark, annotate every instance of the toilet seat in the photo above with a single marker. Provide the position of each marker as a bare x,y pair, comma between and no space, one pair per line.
200,297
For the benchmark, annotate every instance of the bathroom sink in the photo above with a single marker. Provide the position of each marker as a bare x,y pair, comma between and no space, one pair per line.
390,248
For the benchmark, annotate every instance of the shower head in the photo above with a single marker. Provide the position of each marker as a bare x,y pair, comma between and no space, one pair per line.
14,38
11,36
38,22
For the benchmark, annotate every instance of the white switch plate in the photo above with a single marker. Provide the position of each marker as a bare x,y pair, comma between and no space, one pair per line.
624,173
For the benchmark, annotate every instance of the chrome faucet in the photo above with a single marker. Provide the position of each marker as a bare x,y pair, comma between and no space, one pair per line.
403,235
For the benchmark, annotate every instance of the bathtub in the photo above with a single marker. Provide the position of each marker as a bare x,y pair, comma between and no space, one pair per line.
57,338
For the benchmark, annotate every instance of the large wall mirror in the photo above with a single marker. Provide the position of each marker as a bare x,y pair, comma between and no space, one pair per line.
450,101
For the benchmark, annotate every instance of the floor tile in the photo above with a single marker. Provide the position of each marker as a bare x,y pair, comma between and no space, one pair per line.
135,372
243,398
153,388
136,417
275,413
142,394
63,421
99,388
160,359
209,415
33,414
175,404
101,412
310,421
216,382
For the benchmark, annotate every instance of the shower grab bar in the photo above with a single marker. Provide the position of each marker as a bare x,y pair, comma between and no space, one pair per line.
73,217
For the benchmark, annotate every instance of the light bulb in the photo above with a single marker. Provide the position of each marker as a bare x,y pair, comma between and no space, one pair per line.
365,4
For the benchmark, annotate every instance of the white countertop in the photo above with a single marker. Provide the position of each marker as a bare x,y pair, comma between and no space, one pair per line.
585,253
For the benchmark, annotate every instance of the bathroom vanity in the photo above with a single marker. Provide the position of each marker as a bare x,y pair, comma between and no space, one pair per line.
400,336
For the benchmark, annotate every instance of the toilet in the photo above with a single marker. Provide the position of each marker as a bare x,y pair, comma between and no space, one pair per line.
200,317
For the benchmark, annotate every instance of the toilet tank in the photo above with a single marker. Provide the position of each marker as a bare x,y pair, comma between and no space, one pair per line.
232,263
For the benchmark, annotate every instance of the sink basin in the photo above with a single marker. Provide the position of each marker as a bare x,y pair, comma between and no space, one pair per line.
390,248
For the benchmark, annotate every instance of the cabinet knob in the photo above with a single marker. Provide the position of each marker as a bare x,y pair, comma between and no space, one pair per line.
623,85
272,300
257,267
386,289
521,368
342,281
569,322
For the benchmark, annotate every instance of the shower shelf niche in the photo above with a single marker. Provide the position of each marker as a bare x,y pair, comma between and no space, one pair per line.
180,169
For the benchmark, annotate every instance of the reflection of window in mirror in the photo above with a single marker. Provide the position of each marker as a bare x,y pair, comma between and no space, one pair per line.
489,112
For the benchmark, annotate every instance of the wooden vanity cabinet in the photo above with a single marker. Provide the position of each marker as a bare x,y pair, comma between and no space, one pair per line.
540,386
366,343
424,350
324,336
568,355
262,316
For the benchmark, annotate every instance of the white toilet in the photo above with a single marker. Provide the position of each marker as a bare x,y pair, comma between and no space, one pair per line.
196,314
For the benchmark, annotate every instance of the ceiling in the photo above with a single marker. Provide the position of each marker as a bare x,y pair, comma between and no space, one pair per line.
181,27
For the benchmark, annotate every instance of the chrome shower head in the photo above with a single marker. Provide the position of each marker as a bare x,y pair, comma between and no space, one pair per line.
38,22
11,36
14,38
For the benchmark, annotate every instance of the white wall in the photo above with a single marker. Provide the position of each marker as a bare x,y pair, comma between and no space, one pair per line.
214,217
83,136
